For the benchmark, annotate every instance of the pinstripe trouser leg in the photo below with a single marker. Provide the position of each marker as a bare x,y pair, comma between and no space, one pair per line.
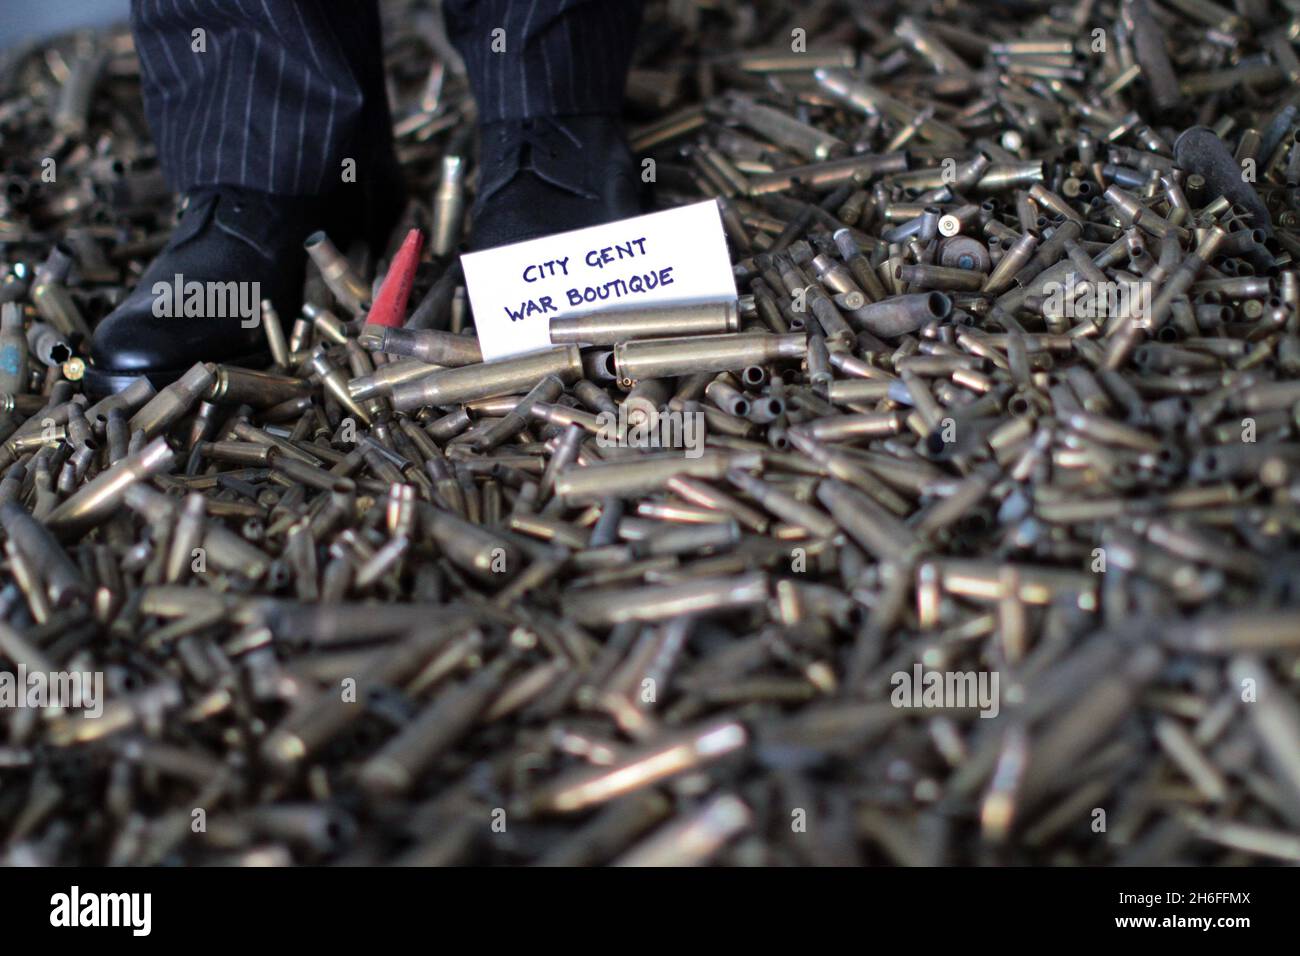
273,95
277,93
560,56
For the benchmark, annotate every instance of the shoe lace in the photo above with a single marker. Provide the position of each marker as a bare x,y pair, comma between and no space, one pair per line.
541,137
538,134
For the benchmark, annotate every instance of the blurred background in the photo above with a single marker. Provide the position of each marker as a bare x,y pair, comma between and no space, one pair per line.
26,20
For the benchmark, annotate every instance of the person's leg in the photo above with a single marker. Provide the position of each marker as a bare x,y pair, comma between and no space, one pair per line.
560,57
548,79
271,117
279,94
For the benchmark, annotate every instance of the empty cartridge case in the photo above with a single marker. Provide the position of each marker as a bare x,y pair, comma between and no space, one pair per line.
101,496
664,358
488,379
623,325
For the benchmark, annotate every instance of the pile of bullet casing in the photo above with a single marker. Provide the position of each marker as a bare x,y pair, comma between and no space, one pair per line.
1011,389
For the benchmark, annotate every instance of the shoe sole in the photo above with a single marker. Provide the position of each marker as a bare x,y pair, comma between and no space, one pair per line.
100,383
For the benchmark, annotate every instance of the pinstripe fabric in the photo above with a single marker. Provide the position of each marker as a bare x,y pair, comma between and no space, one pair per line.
285,91
561,56
288,89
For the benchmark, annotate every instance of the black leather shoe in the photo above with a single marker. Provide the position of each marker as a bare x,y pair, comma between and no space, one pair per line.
226,235
239,247
552,174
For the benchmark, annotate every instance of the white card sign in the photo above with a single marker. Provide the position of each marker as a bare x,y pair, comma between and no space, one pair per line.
676,256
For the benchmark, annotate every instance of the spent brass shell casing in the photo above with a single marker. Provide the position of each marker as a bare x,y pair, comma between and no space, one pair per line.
665,358
339,276
595,482
448,207
335,382
166,407
488,379
431,346
678,753
100,497
623,325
